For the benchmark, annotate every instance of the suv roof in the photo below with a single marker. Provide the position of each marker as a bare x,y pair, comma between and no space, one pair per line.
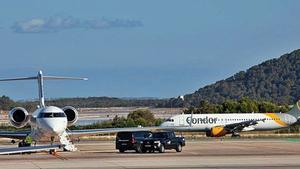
129,134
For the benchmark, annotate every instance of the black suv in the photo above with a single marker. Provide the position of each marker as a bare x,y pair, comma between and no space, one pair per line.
167,140
134,140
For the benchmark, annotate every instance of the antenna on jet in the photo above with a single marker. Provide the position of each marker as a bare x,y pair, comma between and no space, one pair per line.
40,79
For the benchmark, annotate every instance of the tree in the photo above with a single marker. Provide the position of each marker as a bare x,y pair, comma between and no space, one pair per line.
6,103
130,123
119,122
141,116
230,106
267,107
247,105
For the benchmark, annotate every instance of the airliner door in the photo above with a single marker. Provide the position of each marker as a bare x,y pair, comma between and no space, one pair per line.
181,120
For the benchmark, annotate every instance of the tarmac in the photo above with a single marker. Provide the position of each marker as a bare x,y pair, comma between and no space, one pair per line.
206,153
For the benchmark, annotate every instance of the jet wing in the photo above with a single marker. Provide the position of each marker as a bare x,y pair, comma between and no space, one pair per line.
236,127
15,134
109,130
32,149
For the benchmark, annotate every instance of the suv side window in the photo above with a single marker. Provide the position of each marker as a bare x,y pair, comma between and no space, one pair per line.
141,134
166,135
124,135
171,135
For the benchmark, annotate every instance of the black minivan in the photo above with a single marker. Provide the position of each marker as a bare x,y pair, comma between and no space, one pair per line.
131,140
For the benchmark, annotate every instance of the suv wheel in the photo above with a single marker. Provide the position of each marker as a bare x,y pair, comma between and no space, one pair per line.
161,148
178,148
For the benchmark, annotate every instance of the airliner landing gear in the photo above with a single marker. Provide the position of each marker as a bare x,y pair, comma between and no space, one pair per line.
235,135
52,140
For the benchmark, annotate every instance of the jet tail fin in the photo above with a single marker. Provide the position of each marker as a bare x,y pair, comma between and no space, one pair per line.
40,78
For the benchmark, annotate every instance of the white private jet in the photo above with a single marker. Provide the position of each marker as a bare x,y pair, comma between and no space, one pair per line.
218,125
47,122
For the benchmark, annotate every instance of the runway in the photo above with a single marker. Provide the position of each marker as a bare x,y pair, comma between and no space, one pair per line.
210,154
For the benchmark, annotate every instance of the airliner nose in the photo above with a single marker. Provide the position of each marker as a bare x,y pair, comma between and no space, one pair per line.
165,124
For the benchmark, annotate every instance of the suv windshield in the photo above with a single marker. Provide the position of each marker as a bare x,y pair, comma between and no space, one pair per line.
142,134
124,135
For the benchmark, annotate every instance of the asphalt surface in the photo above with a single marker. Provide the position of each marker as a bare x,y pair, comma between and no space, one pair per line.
210,154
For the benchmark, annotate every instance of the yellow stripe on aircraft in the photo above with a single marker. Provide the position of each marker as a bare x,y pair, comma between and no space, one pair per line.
276,118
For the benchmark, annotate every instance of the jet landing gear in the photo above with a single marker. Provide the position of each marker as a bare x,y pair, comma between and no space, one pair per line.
24,144
53,152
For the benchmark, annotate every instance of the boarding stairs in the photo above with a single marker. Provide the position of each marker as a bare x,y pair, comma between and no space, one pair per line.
66,142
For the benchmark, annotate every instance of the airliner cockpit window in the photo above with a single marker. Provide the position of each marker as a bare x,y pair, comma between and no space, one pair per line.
170,120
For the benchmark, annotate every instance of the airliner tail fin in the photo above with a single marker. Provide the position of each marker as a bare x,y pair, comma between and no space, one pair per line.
295,111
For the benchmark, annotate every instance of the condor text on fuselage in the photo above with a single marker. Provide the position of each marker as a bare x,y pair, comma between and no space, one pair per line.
205,120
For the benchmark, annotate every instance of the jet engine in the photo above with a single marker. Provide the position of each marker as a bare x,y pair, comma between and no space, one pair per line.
217,131
18,117
72,115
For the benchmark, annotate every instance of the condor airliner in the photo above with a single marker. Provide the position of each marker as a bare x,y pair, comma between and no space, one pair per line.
47,122
218,125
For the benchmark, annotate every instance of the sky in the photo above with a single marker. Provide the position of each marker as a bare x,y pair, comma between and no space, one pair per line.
137,48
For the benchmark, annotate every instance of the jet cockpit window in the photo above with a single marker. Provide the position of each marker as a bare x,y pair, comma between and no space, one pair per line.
51,115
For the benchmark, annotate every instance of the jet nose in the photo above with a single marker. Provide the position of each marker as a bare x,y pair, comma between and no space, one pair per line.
56,130
54,127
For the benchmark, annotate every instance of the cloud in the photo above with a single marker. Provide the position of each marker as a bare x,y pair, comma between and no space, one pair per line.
59,23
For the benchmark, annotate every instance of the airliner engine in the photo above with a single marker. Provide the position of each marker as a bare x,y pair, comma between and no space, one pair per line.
18,117
217,131
72,115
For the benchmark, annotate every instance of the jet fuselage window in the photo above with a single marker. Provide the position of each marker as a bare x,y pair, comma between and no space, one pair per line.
51,115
